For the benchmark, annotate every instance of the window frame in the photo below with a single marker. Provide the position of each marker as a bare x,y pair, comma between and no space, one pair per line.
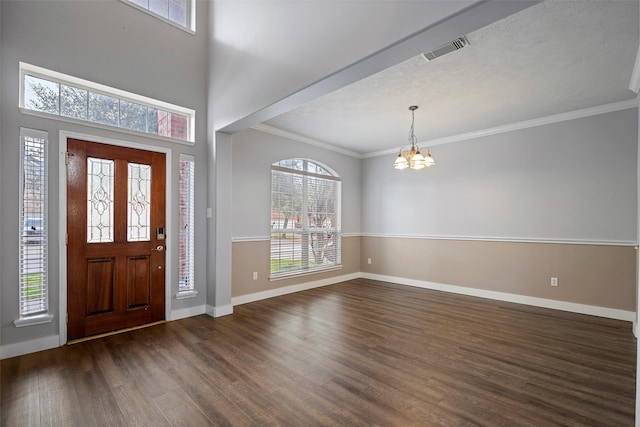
100,89
306,230
190,290
191,15
27,318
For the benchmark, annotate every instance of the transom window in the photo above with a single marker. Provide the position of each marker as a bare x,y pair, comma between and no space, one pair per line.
65,97
305,218
176,12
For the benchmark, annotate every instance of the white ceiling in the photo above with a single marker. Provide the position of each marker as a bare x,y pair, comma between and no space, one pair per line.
554,57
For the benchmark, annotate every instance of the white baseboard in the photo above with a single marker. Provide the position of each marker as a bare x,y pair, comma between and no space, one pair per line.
219,311
188,312
26,347
244,299
592,310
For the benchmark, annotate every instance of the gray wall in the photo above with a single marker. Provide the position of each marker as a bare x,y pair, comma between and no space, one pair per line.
252,180
111,43
573,180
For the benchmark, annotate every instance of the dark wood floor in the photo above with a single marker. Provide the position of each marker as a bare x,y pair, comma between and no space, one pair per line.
356,353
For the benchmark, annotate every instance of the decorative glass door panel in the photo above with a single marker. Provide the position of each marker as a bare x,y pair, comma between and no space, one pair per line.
139,202
100,182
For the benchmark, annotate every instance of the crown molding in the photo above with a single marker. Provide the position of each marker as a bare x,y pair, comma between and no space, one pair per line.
556,118
306,140
571,115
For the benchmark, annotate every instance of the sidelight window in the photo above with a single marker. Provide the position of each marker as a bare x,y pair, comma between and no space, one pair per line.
33,234
186,234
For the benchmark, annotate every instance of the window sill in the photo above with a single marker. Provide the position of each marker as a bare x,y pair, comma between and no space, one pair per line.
33,320
186,294
303,273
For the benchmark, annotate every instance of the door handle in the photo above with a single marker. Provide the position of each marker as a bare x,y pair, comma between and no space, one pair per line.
159,248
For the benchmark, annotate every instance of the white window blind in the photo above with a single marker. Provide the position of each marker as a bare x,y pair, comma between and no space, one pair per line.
186,223
33,223
305,218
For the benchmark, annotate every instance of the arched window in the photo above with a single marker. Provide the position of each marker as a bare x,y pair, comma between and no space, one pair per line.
305,218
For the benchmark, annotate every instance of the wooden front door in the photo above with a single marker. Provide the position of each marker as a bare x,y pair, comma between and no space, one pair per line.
115,250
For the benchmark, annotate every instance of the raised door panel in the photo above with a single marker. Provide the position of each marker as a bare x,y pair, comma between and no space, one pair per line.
100,283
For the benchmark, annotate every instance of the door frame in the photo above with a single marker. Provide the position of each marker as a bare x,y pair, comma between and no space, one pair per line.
62,225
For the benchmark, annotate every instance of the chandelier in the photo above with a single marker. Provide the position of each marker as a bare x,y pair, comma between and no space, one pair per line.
411,157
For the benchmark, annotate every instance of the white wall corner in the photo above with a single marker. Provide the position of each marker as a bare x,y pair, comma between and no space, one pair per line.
634,85
635,328
220,274
26,347
219,311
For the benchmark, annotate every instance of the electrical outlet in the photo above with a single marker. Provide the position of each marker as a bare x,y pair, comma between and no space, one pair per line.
255,275
554,281
368,260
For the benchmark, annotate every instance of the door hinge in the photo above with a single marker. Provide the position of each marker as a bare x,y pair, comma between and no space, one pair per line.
66,157
67,316
66,238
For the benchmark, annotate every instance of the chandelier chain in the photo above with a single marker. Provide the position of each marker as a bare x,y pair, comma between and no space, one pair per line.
412,136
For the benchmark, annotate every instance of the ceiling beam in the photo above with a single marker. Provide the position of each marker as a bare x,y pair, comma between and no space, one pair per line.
466,21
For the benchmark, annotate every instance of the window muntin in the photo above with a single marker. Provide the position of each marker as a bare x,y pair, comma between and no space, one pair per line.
57,94
33,274
180,13
186,234
305,218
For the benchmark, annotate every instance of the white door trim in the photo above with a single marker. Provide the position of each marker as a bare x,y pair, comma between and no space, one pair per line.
62,225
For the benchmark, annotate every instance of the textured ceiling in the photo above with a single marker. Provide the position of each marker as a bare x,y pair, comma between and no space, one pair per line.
554,57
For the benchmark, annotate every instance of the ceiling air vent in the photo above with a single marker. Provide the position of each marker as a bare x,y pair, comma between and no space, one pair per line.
456,44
